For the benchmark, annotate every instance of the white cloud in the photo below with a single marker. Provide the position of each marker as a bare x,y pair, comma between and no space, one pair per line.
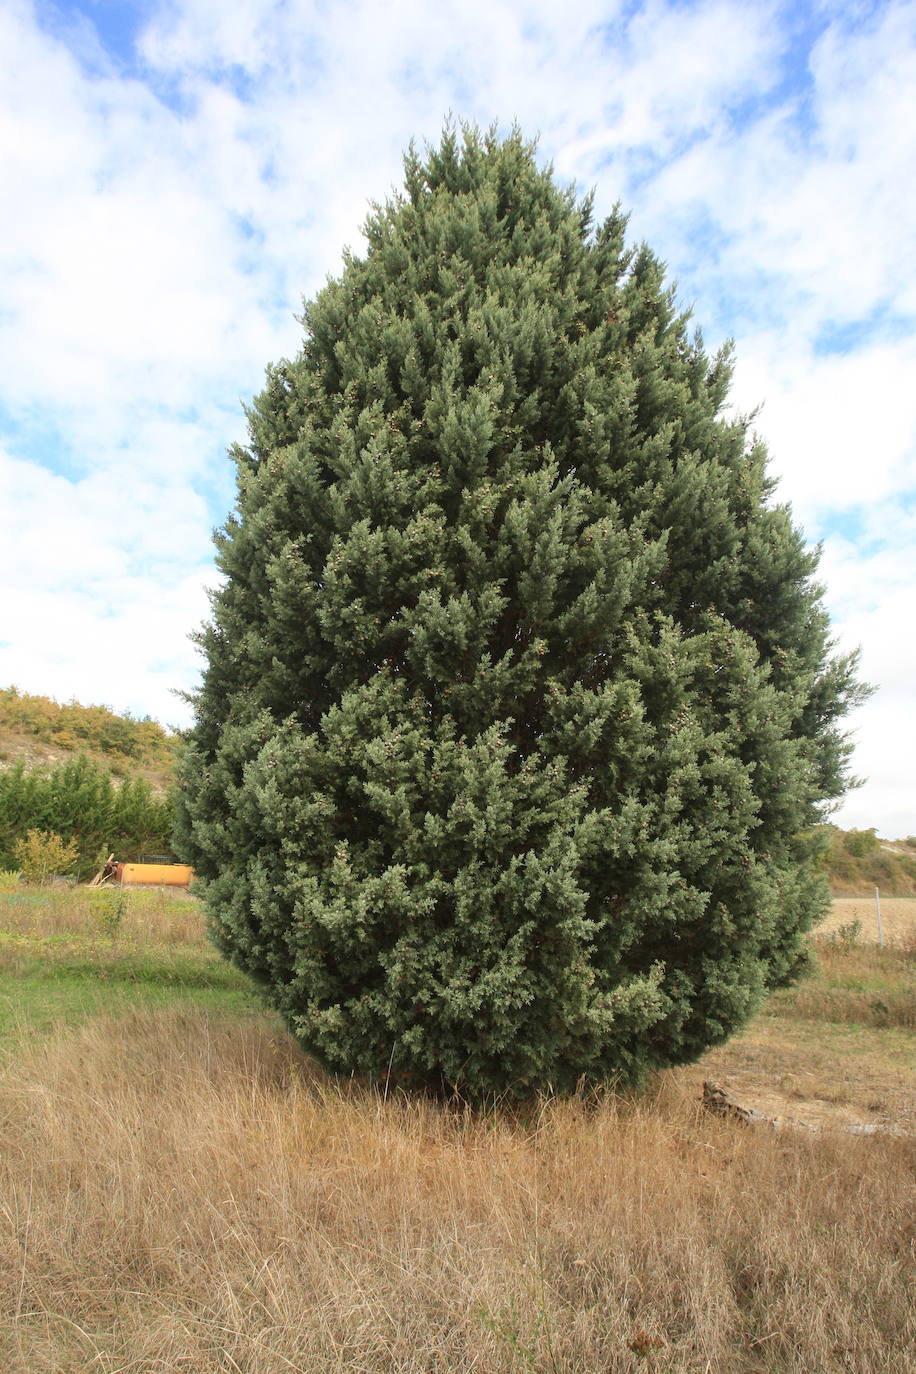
840,428
871,586
103,582
818,196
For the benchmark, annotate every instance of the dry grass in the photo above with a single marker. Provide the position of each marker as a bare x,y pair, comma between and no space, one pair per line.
864,985
159,916
183,1194
181,1191
898,919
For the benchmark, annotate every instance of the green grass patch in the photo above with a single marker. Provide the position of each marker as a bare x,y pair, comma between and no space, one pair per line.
33,1005
64,958
850,1041
51,957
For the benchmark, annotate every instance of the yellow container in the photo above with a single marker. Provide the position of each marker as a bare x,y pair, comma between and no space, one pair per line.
170,875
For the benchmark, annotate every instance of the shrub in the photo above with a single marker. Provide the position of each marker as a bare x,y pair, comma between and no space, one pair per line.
110,910
847,935
41,855
518,695
861,843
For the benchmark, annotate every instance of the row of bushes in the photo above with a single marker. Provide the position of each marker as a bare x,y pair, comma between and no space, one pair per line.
81,801
72,726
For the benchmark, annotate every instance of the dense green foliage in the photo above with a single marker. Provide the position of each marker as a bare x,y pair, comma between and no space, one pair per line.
72,726
518,695
82,801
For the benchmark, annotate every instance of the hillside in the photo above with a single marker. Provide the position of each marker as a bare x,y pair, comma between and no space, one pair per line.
99,781
857,861
41,733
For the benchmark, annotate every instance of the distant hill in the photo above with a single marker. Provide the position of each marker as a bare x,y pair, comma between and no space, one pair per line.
857,861
86,774
41,733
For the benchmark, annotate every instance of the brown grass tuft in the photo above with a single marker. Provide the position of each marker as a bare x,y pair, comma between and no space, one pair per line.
184,1193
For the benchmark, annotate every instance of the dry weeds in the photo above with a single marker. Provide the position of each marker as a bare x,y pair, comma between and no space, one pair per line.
160,916
865,985
180,1193
898,918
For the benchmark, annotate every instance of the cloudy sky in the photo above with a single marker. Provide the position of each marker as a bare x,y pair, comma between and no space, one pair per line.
176,175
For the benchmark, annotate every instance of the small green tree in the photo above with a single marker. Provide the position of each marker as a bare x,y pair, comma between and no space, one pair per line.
40,855
518,696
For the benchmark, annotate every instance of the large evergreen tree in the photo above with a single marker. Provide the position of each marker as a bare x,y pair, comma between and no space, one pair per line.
518,695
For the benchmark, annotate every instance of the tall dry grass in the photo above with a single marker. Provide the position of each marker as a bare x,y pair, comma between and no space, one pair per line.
861,985
151,916
179,1193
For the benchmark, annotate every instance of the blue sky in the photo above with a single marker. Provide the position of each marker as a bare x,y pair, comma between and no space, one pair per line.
180,174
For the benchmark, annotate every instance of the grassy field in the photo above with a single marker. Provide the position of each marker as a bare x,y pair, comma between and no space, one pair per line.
66,954
180,1190
898,919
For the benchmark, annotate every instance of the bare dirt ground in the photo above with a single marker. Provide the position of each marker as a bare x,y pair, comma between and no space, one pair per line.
829,1075
852,1078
